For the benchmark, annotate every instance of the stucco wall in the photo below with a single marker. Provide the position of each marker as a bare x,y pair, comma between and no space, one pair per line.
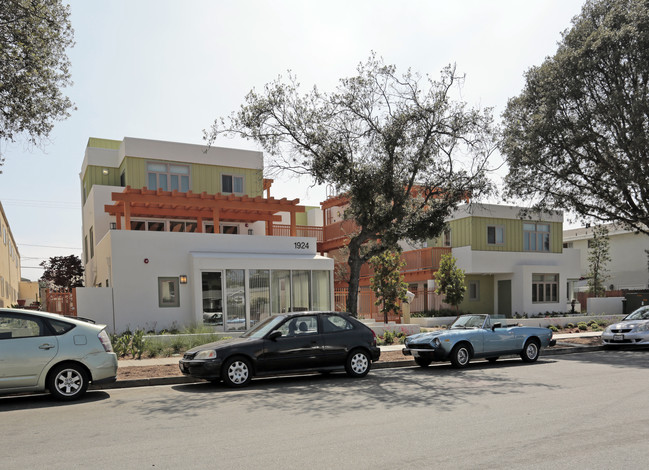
136,260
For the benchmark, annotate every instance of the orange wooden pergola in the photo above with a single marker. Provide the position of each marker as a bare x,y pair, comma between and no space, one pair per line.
209,207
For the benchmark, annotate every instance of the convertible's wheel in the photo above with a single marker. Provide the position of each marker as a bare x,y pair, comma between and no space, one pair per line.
530,351
492,359
358,363
421,362
460,355
67,381
236,372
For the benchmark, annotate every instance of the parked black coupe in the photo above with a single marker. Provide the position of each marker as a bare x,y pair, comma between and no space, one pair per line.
295,342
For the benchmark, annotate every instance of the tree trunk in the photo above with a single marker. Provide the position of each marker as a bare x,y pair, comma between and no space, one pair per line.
355,263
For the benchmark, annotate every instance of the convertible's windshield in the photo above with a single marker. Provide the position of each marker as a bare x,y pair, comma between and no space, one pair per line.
468,321
261,329
641,314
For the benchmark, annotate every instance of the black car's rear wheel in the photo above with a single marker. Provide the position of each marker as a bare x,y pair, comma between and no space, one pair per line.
422,362
236,372
460,355
358,363
531,351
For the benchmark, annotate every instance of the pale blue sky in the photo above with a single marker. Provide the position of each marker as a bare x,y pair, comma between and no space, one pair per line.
165,69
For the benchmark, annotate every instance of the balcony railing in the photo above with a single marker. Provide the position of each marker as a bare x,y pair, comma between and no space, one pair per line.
280,230
340,229
416,260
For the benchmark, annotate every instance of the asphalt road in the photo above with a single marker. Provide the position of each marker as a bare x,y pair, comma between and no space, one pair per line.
574,411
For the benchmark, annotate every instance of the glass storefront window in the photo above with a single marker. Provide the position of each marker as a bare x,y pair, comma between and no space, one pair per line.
259,290
301,290
321,291
212,298
235,294
281,291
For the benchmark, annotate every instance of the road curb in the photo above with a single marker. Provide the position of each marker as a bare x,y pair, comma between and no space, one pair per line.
178,380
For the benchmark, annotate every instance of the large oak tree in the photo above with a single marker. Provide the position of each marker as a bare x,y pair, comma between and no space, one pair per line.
34,68
577,137
399,146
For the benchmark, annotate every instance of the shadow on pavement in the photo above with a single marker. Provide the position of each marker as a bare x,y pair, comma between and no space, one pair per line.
625,357
44,400
436,388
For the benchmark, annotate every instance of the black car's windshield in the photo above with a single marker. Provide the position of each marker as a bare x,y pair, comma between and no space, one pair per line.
261,329
468,321
641,314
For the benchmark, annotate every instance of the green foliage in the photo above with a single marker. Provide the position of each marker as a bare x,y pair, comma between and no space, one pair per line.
387,282
400,147
576,137
598,258
62,272
34,67
553,328
388,337
570,325
449,281
582,326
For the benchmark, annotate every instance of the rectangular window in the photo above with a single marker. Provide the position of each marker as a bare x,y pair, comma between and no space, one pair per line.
447,237
122,179
536,237
168,293
168,177
92,243
235,297
157,226
301,287
85,249
495,235
321,290
280,294
474,290
259,288
231,184
545,288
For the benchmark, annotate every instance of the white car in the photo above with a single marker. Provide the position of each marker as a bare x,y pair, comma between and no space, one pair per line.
632,330
44,351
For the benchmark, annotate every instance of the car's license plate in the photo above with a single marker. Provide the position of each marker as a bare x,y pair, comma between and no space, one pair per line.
415,354
618,337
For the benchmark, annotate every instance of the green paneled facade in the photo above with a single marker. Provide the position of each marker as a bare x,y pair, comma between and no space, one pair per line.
202,177
485,299
472,231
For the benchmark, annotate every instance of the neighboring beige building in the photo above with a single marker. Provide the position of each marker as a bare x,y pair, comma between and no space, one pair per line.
29,292
9,264
628,266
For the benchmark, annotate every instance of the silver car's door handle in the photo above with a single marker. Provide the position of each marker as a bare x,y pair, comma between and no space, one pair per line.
46,346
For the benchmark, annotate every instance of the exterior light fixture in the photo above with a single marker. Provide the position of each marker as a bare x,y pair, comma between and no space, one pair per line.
183,279
104,171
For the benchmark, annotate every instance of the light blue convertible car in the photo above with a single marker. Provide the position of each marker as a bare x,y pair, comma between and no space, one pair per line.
476,336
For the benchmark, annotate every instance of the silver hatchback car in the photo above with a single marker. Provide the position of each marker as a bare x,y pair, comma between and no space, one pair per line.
44,351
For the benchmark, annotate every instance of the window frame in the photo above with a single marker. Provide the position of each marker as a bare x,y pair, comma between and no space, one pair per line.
542,289
447,238
476,297
531,238
175,282
168,174
232,177
496,228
